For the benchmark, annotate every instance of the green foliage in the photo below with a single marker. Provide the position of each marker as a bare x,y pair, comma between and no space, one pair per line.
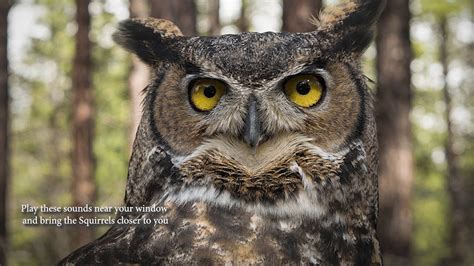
432,213
440,8
430,199
41,129
111,145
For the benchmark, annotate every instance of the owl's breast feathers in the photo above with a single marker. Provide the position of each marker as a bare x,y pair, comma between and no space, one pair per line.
303,205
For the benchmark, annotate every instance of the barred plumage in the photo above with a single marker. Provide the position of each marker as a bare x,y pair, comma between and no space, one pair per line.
258,179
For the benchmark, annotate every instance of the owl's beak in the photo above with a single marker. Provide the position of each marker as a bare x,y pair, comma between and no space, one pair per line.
253,128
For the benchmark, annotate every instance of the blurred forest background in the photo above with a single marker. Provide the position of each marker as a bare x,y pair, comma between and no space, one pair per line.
70,100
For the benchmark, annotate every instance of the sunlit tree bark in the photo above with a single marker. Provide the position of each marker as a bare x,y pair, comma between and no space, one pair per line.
182,13
83,165
393,105
455,186
297,15
4,130
214,19
138,78
243,23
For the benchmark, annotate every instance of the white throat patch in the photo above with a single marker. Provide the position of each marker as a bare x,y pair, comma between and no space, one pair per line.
304,204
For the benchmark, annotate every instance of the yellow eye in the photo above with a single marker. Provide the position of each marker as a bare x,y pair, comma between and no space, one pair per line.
303,90
206,93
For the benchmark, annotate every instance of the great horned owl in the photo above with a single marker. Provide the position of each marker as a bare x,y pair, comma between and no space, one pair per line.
261,145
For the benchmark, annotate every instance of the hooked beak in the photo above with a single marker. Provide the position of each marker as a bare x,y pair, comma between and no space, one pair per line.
253,128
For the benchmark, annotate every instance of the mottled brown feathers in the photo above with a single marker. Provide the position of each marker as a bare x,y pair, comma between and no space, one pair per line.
334,14
278,181
305,193
164,27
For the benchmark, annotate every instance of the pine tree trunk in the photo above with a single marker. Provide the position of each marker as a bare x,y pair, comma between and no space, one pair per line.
139,75
4,130
83,186
214,19
182,13
243,22
297,15
396,167
455,186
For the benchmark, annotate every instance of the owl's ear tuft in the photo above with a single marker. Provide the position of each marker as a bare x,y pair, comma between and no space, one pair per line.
350,24
148,38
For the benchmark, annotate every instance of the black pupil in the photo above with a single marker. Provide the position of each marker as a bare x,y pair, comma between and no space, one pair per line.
303,87
209,91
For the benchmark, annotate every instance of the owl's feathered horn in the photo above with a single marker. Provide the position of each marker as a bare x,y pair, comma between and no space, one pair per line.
349,25
362,13
150,39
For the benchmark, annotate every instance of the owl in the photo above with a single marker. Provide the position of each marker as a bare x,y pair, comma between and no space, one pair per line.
261,146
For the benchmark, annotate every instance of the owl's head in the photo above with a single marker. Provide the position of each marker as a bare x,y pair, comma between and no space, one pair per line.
260,118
